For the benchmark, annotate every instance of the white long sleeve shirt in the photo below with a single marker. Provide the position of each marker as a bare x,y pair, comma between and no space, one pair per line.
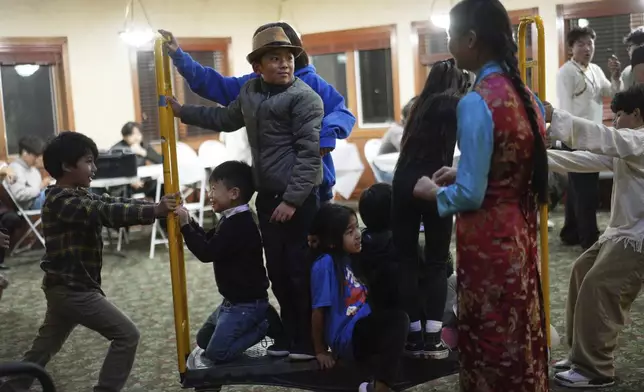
581,91
627,78
606,149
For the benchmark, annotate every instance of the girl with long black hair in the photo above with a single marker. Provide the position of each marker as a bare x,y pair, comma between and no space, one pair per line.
342,319
427,145
502,177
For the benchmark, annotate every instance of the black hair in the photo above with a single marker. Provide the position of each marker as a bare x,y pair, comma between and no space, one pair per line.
128,128
31,145
577,33
235,174
635,37
431,128
67,149
302,60
375,207
629,100
328,226
490,21
407,109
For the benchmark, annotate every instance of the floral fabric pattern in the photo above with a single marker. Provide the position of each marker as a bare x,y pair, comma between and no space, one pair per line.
502,337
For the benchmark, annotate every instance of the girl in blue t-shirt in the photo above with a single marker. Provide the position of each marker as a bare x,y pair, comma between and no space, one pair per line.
342,319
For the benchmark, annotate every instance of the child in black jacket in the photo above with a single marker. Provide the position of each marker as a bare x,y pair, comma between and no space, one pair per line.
428,144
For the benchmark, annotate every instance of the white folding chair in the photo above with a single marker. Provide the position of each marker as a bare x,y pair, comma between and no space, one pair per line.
371,149
188,175
26,215
212,153
186,156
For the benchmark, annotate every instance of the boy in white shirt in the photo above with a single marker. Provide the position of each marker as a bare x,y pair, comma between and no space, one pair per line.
606,279
634,40
581,89
29,187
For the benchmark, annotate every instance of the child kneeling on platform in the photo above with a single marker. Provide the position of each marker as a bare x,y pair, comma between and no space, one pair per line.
234,247
341,319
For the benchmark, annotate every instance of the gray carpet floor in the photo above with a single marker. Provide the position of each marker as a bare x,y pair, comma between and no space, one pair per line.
141,288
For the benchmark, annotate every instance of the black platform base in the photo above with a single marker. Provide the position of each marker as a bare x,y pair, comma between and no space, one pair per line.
255,368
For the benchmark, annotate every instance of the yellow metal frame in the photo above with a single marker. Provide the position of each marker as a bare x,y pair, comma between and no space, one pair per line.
539,63
171,186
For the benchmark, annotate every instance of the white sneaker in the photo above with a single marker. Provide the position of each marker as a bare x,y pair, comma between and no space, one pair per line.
564,364
573,379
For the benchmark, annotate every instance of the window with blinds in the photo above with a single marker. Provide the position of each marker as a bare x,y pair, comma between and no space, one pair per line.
210,59
148,97
433,47
610,31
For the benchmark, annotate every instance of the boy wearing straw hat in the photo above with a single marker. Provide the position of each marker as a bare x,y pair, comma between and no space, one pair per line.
282,116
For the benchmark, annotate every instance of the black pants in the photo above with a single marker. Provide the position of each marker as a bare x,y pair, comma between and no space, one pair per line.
9,222
424,298
582,201
379,341
286,250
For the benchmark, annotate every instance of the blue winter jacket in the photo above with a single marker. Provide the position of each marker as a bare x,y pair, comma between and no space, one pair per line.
337,123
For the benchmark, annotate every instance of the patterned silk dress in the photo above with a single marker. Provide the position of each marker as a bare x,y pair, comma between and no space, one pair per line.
501,322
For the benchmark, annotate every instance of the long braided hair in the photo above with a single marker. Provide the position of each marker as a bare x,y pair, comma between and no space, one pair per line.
491,23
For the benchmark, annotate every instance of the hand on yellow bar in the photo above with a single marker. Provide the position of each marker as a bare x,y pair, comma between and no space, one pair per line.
167,204
170,43
183,214
175,105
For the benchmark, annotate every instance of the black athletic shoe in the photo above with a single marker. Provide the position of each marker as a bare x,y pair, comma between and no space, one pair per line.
415,346
434,347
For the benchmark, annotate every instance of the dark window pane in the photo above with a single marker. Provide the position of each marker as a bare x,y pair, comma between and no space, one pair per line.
332,68
610,31
29,106
148,95
376,86
207,59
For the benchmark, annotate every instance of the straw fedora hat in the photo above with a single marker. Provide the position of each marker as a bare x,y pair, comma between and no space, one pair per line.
269,39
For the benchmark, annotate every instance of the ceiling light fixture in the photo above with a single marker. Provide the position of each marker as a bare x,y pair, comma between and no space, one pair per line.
26,70
132,35
438,19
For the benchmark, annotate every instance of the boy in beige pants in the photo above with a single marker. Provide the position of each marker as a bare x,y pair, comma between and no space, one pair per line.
606,279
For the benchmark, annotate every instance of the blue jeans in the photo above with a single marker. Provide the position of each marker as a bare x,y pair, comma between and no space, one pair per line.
38,201
386,177
233,328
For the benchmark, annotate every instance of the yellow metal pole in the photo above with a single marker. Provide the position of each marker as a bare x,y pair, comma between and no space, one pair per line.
171,185
539,63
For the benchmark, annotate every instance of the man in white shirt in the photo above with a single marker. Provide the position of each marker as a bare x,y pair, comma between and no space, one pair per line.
581,89
607,278
634,40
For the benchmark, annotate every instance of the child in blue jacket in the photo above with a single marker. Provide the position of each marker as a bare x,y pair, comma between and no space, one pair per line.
210,84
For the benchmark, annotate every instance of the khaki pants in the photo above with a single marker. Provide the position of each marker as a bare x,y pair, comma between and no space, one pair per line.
65,310
604,282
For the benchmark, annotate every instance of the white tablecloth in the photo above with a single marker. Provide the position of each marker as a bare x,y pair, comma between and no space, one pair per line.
387,162
148,171
348,168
